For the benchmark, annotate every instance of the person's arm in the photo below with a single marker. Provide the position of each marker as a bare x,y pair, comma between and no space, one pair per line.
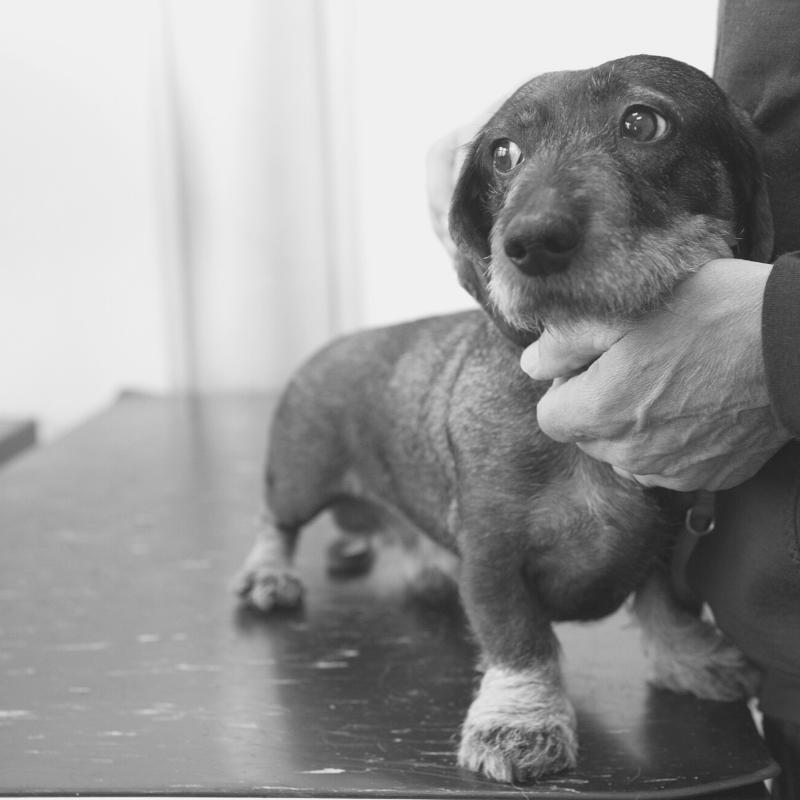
757,63
781,340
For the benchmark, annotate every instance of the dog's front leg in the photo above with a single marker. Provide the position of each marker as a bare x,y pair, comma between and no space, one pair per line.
520,724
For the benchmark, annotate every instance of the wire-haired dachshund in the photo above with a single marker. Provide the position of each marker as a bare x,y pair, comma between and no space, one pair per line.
589,194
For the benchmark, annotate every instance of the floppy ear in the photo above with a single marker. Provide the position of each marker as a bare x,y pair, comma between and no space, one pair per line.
471,227
754,230
471,224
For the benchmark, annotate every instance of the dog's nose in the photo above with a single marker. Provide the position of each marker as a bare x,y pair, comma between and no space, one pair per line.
541,243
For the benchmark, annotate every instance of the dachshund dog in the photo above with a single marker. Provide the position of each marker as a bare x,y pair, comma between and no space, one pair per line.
589,194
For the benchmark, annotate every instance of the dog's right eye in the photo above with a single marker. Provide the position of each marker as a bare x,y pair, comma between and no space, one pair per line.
643,124
506,155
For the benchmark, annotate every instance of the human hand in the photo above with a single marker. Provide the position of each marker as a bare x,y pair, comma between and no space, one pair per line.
677,399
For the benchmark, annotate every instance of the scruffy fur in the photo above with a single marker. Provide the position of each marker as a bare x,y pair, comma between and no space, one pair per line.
433,422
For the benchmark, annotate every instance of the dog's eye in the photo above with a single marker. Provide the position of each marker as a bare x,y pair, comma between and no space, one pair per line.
506,155
643,124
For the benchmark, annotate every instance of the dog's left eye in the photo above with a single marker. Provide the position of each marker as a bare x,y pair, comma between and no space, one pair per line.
506,155
643,124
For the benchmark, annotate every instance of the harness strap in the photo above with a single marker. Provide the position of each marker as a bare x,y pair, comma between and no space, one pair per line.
700,520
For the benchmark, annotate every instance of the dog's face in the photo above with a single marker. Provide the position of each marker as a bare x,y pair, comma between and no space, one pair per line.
589,194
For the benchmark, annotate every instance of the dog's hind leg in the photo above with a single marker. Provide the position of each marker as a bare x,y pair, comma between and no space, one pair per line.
267,580
305,470
352,553
686,653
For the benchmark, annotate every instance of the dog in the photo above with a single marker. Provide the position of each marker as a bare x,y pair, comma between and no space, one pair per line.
588,195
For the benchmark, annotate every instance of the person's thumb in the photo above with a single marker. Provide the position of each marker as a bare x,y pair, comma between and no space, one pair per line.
561,353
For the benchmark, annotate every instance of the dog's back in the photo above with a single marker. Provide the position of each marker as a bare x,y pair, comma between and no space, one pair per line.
371,416
434,421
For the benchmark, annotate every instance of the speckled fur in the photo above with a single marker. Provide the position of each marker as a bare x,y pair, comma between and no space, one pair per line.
433,422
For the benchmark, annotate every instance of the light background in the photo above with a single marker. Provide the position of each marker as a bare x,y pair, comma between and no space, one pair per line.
194,194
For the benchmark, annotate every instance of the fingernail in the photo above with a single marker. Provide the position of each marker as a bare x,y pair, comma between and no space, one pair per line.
529,360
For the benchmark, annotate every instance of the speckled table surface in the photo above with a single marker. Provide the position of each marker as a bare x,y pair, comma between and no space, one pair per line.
126,666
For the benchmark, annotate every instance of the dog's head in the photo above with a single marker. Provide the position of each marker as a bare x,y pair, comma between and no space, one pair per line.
589,194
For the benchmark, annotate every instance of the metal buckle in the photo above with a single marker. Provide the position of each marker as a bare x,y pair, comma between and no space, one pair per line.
707,518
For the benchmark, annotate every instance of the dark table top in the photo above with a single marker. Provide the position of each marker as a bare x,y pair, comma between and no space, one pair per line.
127,667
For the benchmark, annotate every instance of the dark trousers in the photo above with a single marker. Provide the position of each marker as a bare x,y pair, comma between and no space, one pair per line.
783,740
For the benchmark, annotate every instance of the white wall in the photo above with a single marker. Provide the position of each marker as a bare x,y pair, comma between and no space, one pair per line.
80,288
422,66
271,158
249,149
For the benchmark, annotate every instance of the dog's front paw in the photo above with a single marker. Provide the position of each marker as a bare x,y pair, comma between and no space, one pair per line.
267,588
519,728
518,753
707,665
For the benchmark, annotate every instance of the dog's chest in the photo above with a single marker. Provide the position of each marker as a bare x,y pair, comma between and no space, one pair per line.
591,537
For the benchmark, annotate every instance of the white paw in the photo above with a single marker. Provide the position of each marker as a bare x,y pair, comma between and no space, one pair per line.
518,753
518,728
267,588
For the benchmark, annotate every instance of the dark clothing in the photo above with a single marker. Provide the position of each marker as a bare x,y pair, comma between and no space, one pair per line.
781,334
749,569
783,739
758,65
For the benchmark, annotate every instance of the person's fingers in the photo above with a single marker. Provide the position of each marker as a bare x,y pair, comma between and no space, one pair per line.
681,483
651,481
691,478
648,481
565,411
560,353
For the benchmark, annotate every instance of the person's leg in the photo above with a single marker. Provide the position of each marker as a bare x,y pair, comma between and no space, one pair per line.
783,740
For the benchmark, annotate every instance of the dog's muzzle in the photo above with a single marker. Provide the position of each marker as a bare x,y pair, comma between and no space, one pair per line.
543,236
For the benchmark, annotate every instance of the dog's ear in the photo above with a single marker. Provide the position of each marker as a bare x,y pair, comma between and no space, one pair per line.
471,227
471,224
754,215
